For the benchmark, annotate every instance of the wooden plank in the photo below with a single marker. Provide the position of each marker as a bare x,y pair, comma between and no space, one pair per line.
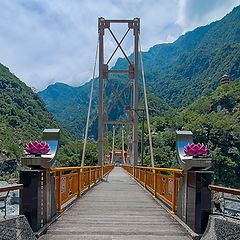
118,208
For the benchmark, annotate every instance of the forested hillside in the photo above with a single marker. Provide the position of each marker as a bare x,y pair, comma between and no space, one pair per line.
69,105
215,121
177,72
23,117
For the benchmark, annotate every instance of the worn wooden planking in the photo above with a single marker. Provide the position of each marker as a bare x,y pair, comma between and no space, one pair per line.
118,208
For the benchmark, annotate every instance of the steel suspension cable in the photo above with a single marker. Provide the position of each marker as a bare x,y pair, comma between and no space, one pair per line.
146,105
89,106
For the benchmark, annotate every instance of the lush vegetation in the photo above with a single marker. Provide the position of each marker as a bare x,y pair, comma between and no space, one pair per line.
23,117
69,105
215,121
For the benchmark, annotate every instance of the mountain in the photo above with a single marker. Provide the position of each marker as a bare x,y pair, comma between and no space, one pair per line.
178,72
181,71
215,121
69,105
23,116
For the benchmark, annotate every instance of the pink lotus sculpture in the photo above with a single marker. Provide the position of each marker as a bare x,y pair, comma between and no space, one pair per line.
196,149
37,148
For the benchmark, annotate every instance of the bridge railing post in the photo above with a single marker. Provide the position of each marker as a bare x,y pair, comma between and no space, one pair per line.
59,191
95,176
145,177
89,178
79,182
155,183
174,196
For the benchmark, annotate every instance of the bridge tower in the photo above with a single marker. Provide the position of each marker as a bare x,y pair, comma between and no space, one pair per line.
105,78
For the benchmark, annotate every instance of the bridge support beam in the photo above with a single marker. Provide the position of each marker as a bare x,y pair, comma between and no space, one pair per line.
105,75
135,92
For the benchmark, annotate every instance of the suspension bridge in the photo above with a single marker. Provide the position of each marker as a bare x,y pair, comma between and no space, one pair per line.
127,201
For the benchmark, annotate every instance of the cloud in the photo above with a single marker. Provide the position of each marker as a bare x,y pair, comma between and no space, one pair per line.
44,41
194,13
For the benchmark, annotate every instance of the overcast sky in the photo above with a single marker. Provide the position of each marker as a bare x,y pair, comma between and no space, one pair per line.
47,41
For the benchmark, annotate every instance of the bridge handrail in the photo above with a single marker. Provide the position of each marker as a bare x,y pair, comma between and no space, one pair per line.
73,168
216,188
224,202
70,185
162,182
11,187
172,170
4,191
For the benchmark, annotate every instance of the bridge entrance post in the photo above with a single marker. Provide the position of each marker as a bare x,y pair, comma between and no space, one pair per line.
38,198
194,201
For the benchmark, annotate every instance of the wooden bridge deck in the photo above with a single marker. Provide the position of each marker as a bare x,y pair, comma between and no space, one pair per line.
117,209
